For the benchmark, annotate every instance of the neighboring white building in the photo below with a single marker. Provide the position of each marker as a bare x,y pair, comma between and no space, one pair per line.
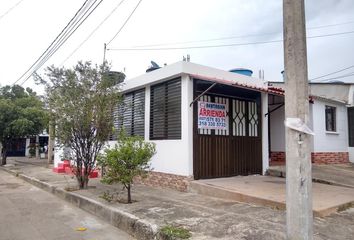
330,104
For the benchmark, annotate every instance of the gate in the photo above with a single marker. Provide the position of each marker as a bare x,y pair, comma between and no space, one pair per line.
234,151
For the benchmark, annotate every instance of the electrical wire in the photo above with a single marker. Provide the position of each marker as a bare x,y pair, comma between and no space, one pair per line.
233,37
53,42
339,77
68,35
64,37
90,35
331,25
126,21
328,74
221,45
10,9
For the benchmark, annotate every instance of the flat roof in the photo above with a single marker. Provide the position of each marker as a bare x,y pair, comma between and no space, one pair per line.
196,71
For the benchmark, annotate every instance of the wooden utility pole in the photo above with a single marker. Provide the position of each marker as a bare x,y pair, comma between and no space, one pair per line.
299,216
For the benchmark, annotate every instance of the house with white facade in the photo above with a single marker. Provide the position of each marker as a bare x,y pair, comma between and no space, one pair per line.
331,119
210,123
205,122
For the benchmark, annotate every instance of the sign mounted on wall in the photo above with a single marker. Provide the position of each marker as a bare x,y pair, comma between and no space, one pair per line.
212,116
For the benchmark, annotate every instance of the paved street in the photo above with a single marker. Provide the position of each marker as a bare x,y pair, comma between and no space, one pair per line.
27,213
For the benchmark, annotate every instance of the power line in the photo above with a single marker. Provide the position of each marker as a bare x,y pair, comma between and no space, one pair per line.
339,77
10,9
233,37
98,26
54,41
328,74
331,25
66,33
193,47
126,21
221,45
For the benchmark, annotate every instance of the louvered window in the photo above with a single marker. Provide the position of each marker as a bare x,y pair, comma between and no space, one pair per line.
130,114
165,110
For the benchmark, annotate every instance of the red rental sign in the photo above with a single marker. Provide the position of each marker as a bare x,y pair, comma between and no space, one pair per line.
212,115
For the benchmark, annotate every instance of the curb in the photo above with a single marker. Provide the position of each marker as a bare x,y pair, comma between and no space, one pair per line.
136,227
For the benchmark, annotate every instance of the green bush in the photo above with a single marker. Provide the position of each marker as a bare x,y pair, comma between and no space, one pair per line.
32,149
171,232
129,158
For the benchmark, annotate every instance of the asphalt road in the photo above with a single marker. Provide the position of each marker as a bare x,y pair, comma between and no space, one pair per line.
29,213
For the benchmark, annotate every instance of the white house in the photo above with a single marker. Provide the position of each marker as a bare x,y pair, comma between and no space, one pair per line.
330,106
209,123
205,122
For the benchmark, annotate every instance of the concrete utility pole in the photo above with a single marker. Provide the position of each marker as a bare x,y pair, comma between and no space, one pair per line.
51,142
37,146
299,216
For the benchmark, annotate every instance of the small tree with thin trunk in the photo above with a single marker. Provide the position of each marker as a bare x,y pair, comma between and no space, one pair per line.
81,101
129,158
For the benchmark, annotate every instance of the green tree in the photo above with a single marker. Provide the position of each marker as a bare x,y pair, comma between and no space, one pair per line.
22,114
81,101
129,158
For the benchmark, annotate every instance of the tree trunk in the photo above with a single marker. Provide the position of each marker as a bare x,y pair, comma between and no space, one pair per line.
82,181
129,194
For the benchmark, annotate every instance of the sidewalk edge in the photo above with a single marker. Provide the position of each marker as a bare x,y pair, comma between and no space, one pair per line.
137,227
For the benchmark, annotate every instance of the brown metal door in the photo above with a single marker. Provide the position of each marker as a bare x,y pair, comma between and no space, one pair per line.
231,152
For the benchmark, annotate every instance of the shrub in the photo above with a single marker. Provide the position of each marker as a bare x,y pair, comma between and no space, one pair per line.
129,158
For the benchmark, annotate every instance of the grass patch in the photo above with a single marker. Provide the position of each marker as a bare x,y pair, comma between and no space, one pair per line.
345,207
107,196
172,232
71,188
114,197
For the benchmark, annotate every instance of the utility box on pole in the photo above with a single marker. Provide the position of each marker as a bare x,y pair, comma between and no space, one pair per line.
299,216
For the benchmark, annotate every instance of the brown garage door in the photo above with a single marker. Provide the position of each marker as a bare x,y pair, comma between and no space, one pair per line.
236,150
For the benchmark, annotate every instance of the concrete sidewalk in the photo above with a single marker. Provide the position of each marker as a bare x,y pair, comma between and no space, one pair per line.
270,191
206,217
333,174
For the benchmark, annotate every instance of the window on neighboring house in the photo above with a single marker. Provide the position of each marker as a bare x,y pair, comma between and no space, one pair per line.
351,126
165,110
130,114
330,119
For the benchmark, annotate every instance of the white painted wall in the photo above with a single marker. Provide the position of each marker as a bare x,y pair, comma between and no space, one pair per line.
351,154
175,156
328,141
265,144
277,130
28,141
57,156
322,141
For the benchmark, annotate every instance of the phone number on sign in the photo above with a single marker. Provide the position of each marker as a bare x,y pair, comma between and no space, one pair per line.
212,124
